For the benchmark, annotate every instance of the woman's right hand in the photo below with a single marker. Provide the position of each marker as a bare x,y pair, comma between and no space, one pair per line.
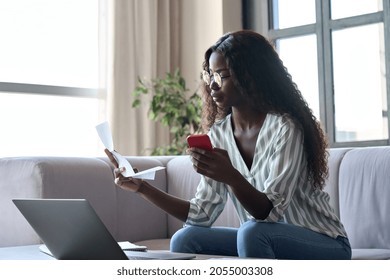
173,205
123,182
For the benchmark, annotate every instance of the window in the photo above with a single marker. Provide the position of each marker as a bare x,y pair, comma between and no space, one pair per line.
48,77
338,52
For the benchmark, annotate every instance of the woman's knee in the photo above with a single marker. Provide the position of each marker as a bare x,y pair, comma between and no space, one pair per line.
249,231
245,236
252,240
205,240
181,241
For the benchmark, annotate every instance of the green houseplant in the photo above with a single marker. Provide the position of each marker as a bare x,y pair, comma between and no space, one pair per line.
171,106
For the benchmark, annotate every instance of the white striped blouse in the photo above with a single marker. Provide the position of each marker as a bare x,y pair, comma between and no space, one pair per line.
278,170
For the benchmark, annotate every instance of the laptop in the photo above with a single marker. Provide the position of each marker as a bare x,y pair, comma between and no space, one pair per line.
71,230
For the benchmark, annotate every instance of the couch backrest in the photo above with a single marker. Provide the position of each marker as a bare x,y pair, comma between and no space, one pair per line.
332,183
364,194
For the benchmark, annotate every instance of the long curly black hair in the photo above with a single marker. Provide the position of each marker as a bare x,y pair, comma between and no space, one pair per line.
259,75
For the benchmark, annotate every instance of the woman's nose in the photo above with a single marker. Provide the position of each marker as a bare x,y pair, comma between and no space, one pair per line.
214,85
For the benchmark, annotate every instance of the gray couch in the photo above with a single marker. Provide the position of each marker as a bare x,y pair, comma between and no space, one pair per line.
358,184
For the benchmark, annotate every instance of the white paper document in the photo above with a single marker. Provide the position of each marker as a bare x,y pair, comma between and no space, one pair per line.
126,245
104,133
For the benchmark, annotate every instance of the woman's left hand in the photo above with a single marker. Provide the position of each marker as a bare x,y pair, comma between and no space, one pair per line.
214,164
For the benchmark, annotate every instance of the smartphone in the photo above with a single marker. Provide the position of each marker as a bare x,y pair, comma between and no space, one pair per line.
201,141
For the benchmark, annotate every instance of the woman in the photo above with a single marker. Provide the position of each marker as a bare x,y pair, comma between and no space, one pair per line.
269,158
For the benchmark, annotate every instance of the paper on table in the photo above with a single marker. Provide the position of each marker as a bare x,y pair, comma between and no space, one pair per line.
126,245
104,133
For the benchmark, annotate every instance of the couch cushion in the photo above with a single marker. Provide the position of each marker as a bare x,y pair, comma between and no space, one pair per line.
370,254
364,197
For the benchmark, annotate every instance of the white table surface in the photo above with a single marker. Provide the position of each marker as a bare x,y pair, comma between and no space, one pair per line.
30,252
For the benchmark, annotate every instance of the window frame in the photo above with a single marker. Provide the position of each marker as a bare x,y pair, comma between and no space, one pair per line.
48,90
52,90
323,29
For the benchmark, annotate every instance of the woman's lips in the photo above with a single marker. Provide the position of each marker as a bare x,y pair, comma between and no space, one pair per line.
216,97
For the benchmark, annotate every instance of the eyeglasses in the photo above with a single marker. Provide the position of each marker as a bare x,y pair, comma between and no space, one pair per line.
217,78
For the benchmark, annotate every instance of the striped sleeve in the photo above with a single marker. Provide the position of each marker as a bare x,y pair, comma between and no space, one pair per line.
285,167
208,203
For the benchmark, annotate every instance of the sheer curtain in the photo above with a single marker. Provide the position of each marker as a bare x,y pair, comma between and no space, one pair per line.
148,38
139,38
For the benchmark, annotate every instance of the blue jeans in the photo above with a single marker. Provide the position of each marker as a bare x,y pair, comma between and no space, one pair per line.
261,240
